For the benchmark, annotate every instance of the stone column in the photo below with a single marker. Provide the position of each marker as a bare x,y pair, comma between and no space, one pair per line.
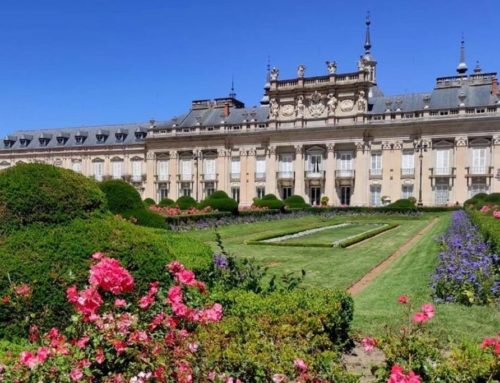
460,190
249,186
330,175
149,186
222,171
495,162
173,168
271,166
360,197
198,170
427,163
299,172
243,176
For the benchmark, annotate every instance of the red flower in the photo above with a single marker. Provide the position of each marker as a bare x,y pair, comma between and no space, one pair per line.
110,276
403,299
368,344
23,290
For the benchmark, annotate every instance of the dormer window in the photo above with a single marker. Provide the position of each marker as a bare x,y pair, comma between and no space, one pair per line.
121,135
62,138
9,141
44,141
101,136
140,134
80,137
25,140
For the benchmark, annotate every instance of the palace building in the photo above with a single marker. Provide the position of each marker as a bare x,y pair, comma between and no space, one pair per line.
333,135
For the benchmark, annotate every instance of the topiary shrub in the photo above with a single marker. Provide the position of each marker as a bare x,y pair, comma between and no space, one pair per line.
165,202
145,217
493,198
186,203
47,194
296,202
220,201
270,201
121,196
149,202
402,204
51,258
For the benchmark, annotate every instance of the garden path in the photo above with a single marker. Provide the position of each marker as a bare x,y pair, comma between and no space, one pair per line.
359,285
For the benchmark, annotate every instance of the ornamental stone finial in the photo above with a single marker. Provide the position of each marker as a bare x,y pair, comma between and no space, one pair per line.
274,74
301,69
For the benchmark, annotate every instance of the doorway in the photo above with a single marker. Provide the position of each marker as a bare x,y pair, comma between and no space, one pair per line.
345,195
315,195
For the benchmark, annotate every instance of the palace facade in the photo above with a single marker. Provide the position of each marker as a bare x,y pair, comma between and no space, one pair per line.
333,135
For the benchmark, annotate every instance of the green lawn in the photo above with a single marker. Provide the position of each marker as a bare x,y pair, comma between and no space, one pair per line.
377,305
325,267
328,236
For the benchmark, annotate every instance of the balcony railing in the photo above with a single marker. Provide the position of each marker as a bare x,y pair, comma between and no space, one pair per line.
315,174
345,173
260,176
162,178
442,172
137,178
209,177
407,172
375,173
185,177
285,175
235,177
480,171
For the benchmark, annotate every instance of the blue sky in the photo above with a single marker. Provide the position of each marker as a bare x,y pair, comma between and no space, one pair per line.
87,62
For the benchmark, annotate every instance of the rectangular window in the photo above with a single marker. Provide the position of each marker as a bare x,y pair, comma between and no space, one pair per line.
260,168
408,164
235,169
186,169
442,162
235,193
98,170
286,192
406,191
77,166
116,169
344,164
136,170
186,189
478,186
375,195
376,164
314,163
209,169
209,189
260,191
478,161
285,165
162,170
163,193
442,193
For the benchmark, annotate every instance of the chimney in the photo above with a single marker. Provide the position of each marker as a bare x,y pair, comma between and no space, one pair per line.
226,109
494,87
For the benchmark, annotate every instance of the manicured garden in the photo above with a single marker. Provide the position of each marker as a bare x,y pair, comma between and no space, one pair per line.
89,294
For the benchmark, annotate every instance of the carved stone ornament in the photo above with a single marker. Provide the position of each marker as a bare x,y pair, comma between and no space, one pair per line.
360,145
332,104
300,108
274,74
174,154
398,145
298,149
330,147
274,108
346,105
301,69
496,140
252,152
150,156
316,107
331,66
461,141
361,103
272,150
287,110
387,145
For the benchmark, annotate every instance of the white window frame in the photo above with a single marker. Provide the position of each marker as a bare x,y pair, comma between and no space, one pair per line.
162,169
116,169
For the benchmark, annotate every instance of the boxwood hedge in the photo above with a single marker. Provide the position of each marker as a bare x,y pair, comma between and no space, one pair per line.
220,201
47,194
121,196
186,203
296,202
270,201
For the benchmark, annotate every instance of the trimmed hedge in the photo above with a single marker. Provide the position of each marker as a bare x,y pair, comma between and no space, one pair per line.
186,203
166,202
121,196
177,219
366,235
149,202
51,258
296,202
270,201
32,193
145,217
261,335
489,227
220,201
402,204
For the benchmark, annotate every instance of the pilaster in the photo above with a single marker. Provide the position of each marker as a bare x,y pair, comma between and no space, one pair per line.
330,174
460,190
173,169
149,186
299,172
360,197
271,166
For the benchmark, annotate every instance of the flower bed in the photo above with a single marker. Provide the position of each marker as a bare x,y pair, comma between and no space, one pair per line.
468,270
488,221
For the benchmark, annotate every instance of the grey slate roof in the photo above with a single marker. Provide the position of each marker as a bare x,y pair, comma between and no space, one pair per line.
64,138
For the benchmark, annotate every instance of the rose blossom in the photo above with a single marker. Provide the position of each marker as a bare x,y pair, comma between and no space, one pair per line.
300,364
110,276
76,374
403,299
368,344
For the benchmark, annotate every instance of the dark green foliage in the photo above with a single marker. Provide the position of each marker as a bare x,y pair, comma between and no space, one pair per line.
186,203
402,204
296,202
220,201
261,334
270,201
145,217
165,202
47,194
493,198
121,196
149,202
489,227
51,258
178,219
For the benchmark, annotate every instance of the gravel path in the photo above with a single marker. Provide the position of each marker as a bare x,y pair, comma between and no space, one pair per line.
358,286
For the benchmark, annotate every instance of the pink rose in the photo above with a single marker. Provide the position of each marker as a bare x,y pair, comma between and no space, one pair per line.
300,364
368,344
420,317
76,374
